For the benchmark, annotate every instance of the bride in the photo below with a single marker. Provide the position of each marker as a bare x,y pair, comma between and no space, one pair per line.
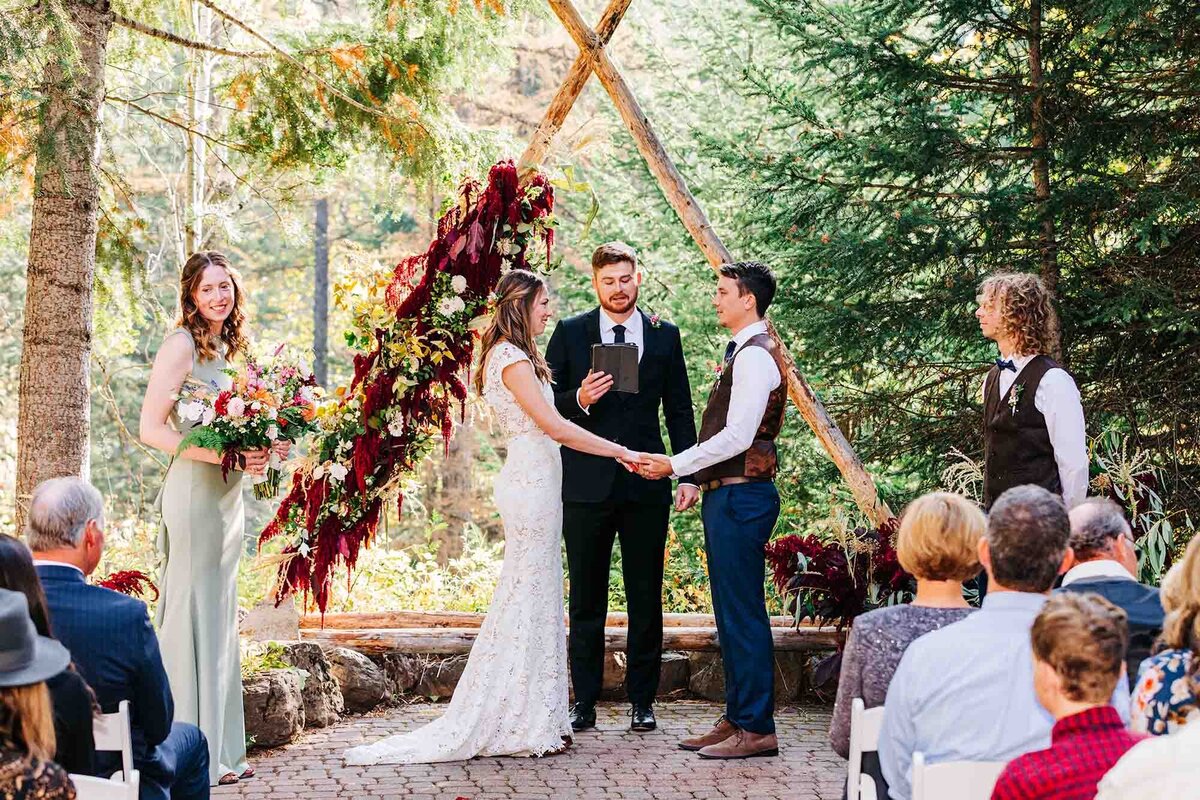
512,697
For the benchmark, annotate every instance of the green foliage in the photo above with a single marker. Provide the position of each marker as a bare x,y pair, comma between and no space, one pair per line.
888,165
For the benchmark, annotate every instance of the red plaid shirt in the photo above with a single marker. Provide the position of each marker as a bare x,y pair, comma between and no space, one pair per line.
1082,748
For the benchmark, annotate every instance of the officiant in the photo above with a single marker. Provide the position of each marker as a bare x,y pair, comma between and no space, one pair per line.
602,502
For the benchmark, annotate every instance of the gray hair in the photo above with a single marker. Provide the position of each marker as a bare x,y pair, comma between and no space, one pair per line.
1096,524
1027,535
59,511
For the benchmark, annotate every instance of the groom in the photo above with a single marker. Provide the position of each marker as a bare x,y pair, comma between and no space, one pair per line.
735,463
601,500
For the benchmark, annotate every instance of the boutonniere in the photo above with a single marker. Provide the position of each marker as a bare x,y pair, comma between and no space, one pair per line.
656,320
718,369
1014,397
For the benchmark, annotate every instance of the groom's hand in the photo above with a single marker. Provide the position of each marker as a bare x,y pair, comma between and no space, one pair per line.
594,386
686,496
655,466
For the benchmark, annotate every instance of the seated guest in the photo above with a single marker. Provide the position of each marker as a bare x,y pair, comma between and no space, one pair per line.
1079,643
1161,766
938,543
72,701
111,641
1169,682
1105,563
965,692
26,721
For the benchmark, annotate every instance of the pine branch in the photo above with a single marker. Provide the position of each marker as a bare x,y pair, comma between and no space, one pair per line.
298,64
176,123
191,44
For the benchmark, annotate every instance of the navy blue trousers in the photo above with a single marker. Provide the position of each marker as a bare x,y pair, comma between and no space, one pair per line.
738,521
181,768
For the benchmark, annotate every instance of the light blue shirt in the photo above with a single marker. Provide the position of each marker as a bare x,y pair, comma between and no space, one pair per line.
965,693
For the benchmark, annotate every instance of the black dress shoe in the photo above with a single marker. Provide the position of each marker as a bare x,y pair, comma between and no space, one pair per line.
643,718
583,717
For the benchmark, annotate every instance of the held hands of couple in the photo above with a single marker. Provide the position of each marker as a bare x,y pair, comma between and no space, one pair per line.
653,466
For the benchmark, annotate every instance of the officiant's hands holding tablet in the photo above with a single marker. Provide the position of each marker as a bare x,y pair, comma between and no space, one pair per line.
594,386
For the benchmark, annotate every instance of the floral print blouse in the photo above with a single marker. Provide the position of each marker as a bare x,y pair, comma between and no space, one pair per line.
23,778
1163,697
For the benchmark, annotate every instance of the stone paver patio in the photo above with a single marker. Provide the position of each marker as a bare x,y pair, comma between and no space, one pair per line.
608,762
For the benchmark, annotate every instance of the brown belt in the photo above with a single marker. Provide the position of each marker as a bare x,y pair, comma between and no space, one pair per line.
708,486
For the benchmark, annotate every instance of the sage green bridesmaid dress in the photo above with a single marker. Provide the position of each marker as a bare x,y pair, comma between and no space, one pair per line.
200,543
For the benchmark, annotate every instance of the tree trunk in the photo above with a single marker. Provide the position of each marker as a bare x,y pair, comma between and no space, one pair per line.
450,491
54,398
199,113
321,289
1047,244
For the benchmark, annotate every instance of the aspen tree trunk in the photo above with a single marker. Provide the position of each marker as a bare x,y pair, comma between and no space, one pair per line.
54,400
321,289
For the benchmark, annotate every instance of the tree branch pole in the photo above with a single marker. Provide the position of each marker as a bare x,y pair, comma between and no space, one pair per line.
674,187
191,44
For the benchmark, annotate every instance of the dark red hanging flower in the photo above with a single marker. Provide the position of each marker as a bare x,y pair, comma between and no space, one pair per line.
132,582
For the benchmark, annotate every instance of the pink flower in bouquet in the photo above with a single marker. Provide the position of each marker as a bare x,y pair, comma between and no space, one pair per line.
236,407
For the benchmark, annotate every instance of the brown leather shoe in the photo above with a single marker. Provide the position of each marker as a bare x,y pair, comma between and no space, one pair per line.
720,732
743,744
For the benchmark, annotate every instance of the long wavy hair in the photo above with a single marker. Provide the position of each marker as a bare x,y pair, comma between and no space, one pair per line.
233,335
1026,310
516,294
27,720
1181,601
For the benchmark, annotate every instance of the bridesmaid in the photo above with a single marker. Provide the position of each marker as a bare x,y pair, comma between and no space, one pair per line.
203,519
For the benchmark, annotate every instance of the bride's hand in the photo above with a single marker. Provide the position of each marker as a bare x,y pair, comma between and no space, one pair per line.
629,460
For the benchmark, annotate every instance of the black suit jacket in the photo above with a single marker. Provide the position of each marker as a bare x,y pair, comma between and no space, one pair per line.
116,651
1142,606
76,745
627,419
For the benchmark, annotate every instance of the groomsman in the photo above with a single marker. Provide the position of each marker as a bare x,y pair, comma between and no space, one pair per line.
735,463
601,500
1033,428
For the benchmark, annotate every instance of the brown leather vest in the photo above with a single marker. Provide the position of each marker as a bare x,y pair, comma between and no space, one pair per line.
760,461
1016,442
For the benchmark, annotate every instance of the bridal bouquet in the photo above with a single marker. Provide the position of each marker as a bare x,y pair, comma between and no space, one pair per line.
269,402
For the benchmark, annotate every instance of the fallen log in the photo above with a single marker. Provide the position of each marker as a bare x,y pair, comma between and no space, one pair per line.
366,620
449,641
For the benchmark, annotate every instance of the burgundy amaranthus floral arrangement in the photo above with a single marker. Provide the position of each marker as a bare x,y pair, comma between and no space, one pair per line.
416,344
829,582
132,582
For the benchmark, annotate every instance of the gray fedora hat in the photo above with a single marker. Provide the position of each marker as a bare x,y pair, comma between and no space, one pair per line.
25,657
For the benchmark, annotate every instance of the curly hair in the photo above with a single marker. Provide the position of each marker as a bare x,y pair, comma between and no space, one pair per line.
233,335
1181,602
1026,310
516,294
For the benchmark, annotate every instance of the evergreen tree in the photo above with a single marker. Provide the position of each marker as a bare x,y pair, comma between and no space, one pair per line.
909,148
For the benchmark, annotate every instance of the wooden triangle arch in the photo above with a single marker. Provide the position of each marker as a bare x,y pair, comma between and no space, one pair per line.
594,58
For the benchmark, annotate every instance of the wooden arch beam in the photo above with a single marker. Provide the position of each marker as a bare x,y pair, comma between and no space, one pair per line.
593,57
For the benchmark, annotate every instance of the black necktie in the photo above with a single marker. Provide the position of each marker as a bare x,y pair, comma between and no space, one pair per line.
729,348
619,334
1004,364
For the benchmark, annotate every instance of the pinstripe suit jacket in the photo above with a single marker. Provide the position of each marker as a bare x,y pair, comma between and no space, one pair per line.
115,648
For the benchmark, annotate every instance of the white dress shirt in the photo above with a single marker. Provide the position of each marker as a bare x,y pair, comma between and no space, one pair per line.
1057,399
633,335
754,378
1100,568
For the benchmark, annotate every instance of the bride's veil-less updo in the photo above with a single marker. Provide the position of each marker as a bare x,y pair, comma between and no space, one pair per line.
516,294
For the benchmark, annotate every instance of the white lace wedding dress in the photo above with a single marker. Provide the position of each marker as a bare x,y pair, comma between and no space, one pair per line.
512,697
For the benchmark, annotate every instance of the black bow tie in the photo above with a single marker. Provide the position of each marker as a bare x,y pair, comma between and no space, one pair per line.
1004,364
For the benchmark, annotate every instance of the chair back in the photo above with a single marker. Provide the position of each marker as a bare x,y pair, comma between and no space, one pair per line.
112,732
954,780
89,788
865,725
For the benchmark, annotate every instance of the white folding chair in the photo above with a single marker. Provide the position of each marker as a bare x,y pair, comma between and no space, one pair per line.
89,788
954,780
112,732
864,738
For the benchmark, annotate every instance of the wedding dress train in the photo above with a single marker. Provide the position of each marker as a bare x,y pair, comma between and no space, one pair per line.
512,697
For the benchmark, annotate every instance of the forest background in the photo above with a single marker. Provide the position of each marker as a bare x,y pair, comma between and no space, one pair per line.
882,157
